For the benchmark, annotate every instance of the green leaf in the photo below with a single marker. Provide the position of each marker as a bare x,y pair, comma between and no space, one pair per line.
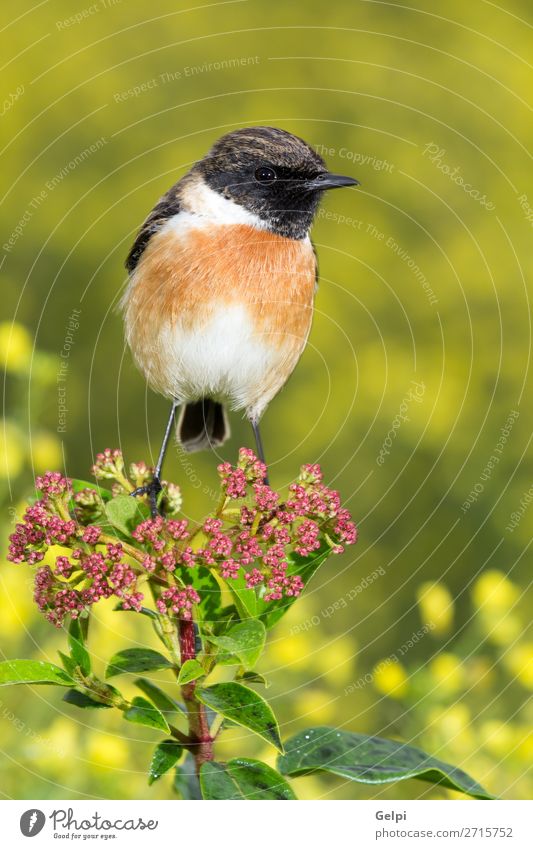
68,662
78,652
33,672
186,784
125,513
208,588
243,706
245,598
369,760
190,671
160,699
270,612
136,660
165,756
82,700
83,622
246,640
254,678
225,659
243,778
144,713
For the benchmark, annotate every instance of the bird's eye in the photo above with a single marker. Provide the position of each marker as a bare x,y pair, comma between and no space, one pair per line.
265,175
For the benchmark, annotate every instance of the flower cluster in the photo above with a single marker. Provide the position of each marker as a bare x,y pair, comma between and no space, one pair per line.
82,579
45,523
254,536
94,568
177,601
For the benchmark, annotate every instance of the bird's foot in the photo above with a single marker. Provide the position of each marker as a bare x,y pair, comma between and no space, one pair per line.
152,490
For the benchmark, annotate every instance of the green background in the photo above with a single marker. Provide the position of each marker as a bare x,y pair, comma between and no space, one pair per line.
408,100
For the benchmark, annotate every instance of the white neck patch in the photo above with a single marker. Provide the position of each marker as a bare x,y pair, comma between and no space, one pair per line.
204,202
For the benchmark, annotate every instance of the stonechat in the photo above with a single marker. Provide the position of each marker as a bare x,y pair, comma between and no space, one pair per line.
222,280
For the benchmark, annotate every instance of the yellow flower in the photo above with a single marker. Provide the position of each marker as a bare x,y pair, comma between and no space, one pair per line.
46,452
336,660
390,678
448,672
57,746
107,750
294,651
436,606
453,722
501,629
11,450
493,591
519,660
314,705
15,346
498,737
16,587
525,746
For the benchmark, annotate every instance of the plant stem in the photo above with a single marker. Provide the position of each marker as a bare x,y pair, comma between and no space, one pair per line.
123,481
170,639
201,741
180,736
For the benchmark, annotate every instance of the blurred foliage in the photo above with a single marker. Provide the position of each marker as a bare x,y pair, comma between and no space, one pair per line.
373,85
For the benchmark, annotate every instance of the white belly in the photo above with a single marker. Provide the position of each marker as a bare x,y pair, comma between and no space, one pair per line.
224,359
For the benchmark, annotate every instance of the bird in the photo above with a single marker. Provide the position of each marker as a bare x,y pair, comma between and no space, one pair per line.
222,277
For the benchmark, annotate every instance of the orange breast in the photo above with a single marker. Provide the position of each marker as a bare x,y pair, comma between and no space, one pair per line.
183,274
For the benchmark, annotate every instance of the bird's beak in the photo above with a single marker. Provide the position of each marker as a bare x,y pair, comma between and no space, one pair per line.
330,181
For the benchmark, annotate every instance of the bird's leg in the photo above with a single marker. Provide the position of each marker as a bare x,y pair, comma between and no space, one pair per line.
259,444
153,488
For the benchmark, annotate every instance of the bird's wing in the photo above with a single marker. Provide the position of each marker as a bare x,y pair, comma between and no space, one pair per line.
317,272
165,208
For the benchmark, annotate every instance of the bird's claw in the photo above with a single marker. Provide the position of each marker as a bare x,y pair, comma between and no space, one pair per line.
152,490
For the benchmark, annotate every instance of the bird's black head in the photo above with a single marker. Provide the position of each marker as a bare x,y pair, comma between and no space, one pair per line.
271,173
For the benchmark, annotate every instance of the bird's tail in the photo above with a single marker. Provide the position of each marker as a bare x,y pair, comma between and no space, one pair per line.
202,425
